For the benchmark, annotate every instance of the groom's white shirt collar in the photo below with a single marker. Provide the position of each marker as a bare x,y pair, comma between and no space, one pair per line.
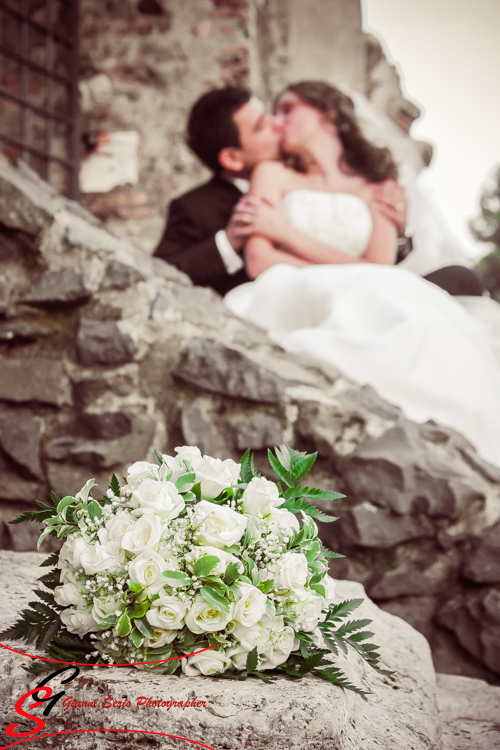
241,183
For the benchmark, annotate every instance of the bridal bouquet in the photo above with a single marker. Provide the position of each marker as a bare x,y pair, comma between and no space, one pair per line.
196,565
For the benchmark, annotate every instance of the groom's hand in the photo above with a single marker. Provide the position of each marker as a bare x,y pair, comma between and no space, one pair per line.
256,215
391,201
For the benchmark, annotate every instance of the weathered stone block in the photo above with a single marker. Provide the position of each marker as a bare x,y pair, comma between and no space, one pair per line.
399,712
197,427
58,290
120,275
5,289
414,480
106,441
426,575
366,525
41,380
258,431
475,621
20,332
469,711
100,342
212,366
20,439
483,561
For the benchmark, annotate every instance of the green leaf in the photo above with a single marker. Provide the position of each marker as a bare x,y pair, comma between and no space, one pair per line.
178,575
280,470
312,661
212,597
297,504
123,625
144,627
114,485
52,559
318,588
247,472
186,479
252,660
43,536
137,637
204,565
232,573
135,587
338,611
63,504
94,510
159,457
140,608
266,586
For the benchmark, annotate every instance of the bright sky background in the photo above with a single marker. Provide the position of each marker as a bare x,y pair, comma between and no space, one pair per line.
449,54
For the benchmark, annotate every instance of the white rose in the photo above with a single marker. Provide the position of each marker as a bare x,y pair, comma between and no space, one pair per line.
70,554
69,595
139,471
96,559
291,573
118,525
144,534
161,638
167,613
206,618
329,585
217,525
102,608
215,475
208,663
78,621
205,550
163,498
186,454
308,611
260,496
281,519
255,636
279,650
147,569
238,656
250,605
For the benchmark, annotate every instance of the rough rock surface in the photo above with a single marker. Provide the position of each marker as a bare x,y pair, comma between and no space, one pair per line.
400,711
146,360
470,713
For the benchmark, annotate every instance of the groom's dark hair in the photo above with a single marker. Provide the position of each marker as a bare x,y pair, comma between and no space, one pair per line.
210,125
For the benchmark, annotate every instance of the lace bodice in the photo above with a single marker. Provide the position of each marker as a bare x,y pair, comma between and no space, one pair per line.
340,220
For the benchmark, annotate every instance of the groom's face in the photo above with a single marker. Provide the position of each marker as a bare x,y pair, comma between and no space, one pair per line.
260,134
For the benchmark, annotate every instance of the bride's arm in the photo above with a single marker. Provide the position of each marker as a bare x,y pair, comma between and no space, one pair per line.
269,181
260,252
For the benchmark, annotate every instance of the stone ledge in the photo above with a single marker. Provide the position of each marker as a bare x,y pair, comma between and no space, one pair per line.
400,711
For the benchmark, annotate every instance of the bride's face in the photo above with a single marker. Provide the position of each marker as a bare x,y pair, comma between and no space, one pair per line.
300,121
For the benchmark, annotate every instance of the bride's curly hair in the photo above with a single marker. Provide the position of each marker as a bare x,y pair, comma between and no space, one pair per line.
360,157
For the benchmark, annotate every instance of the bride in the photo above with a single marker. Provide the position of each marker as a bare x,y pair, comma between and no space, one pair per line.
342,300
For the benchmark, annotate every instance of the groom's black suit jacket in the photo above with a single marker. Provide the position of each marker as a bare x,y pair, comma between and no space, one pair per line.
188,241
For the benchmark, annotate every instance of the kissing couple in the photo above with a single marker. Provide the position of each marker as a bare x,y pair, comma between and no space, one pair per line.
318,235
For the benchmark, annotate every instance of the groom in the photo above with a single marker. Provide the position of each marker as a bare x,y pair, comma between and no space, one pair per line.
207,227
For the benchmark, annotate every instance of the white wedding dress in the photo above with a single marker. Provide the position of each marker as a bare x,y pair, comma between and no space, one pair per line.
382,325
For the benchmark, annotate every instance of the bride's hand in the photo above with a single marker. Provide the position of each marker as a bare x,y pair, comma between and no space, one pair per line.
256,215
391,201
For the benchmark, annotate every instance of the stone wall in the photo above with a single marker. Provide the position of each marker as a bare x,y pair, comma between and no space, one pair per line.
107,353
144,63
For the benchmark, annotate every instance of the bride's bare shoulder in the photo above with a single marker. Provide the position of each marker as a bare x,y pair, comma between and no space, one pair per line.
274,175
